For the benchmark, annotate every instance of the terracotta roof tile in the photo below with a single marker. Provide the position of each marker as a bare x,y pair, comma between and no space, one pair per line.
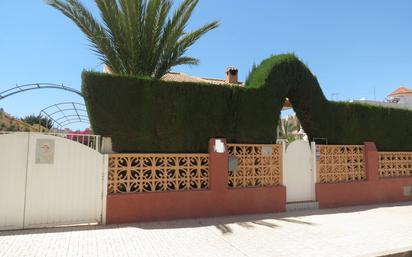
182,77
400,91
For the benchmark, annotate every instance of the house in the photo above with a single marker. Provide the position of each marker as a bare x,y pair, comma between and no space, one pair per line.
402,95
400,98
231,78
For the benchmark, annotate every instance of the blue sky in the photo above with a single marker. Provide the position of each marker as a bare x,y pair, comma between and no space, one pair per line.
355,48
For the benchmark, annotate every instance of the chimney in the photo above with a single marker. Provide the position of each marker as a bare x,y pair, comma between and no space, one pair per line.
231,75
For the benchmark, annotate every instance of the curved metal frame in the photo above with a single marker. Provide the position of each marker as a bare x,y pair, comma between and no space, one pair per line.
70,113
23,88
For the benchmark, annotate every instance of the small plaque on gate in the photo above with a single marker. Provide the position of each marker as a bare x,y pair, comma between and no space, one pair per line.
44,151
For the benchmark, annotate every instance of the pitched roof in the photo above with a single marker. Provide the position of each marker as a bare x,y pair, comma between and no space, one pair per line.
401,91
182,77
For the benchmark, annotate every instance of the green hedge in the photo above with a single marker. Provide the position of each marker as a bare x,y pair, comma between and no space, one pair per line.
148,115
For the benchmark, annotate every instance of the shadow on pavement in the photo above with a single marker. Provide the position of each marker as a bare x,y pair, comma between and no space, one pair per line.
269,220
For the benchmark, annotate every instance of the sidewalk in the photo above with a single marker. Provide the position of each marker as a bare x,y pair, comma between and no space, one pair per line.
357,231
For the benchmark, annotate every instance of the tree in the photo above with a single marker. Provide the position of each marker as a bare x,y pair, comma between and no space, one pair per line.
137,37
34,120
287,127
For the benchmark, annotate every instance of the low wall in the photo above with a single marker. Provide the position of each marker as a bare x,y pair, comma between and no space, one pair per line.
124,208
153,187
358,193
372,190
217,199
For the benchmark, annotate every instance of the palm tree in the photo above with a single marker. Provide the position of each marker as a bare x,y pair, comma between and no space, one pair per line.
137,37
286,127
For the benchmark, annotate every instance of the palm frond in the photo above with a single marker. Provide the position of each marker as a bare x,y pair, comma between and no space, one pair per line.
186,60
74,10
137,37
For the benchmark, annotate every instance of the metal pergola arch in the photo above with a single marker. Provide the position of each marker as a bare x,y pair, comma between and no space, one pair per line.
23,88
65,113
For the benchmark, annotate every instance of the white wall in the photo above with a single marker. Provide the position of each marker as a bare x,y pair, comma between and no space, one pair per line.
386,104
405,99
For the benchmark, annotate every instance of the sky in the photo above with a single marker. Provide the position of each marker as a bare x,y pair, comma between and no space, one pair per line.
356,49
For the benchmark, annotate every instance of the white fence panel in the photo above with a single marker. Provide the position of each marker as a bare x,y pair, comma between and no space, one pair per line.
67,191
13,163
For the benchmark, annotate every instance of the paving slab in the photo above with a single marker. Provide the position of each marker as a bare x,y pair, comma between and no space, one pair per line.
374,230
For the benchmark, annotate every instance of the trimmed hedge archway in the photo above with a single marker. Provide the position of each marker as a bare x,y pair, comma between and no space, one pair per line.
149,115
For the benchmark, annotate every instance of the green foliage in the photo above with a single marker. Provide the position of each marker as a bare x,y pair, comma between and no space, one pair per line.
38,119
339,122
287,127
137,37
149,115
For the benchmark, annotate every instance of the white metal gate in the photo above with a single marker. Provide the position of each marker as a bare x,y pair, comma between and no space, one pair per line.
48,181
299,171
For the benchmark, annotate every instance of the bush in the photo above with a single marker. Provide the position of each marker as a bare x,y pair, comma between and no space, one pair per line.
149,115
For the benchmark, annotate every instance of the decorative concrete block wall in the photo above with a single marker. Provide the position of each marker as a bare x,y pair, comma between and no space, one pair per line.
387,180
204,193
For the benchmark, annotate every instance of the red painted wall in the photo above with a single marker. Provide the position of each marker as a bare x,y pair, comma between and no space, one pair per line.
357,193
217,201
374,190
124,208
